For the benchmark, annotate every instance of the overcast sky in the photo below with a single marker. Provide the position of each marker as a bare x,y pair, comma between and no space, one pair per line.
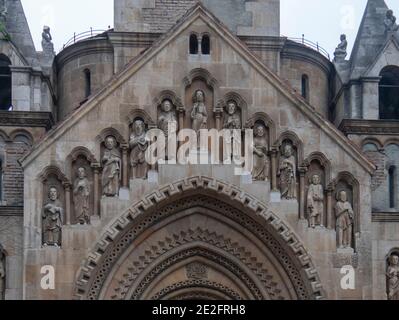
319,20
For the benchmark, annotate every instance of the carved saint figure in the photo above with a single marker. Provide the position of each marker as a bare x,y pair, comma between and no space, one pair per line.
47,43
199,113
139,145
345,215
341,51
315,202
81,197
288,174
167,121
261,162
390,22
393,277
2,274
111,162
232,123
52,219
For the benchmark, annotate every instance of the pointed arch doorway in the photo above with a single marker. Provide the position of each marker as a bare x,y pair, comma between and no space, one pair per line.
198,239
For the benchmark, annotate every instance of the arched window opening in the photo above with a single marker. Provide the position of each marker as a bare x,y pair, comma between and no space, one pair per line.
5,83
392,187
388,91
206,45
305,87
87,75
193,44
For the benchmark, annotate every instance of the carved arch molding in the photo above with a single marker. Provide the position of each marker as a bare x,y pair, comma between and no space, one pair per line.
198,238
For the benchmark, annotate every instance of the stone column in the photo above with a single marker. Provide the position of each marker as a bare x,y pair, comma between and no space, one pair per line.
181,119
370,98
96,170
218,117
67,187
329,208
302,194
125,166
273,154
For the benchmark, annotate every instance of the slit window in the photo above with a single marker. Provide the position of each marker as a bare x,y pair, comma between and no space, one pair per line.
193,44
305,87
206,45
87,75
392,187
1,180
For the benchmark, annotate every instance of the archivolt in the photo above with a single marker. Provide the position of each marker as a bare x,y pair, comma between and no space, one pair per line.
235,204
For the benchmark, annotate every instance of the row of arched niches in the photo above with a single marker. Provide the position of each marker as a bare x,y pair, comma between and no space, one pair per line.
75,195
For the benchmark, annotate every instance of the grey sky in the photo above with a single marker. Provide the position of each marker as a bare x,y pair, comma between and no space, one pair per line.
320,20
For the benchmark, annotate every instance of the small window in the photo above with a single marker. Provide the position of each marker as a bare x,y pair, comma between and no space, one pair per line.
388,93
305,87
392,187
206,45
193,44
87,75
5,83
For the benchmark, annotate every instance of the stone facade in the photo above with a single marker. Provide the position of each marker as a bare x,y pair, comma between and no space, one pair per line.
323,194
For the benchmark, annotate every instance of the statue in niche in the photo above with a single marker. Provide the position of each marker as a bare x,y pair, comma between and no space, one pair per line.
288,174
52,219
112,164
81,197
167,121
341,51
345,215
315,202
2,274
232,122
393,277
390,22
199,113
47,44
261,161
139,145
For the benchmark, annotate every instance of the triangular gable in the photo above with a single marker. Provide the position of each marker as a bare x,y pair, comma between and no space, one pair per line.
199,11
384,58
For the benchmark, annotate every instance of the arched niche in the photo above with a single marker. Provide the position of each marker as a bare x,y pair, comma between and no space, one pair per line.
241,104
52,176
388,267
317,164
345,181
79,158
143,115
200,79
292,137
263,118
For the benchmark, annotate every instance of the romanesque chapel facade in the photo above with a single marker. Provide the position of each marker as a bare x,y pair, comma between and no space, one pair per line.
78,194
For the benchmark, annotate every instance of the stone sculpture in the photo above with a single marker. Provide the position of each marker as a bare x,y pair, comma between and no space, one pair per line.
260,171
139,145
393,277
3,12
341,51
232,123
315,203
52,219
47,44
81,197
390,22
199,113
167,121
345,215
112,164
288,174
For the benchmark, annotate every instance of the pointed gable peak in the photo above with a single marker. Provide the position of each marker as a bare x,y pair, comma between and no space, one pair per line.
370,38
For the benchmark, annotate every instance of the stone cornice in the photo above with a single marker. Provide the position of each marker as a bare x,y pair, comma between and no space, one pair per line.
361,127
26,119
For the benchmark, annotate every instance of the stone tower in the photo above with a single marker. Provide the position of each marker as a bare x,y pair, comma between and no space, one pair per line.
243,17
